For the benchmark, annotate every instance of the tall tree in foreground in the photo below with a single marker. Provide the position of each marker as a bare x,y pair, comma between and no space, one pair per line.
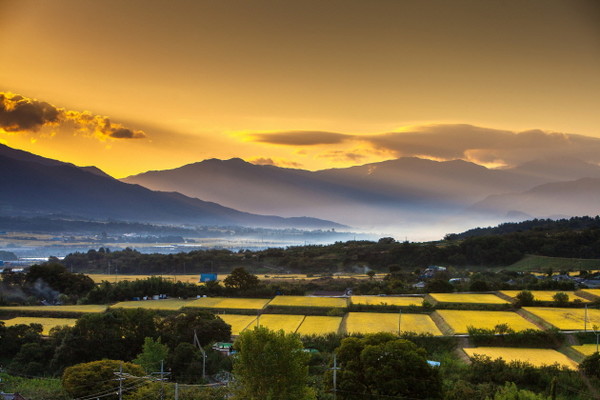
381,365
270,366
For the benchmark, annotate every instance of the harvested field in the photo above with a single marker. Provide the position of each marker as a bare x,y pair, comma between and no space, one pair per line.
460,320
387,300
319,325
309,301
229,303
367,322
566,319
47,323
536,357
545,295
468,298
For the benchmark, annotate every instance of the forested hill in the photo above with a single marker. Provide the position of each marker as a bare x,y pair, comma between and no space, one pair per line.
547,225
493,250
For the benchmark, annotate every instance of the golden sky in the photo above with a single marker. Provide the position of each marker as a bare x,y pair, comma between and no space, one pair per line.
146,84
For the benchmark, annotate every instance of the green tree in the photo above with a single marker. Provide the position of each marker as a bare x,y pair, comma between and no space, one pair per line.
591,365
561,298
241,279
98,377
383,365
510,391
153,352
180,328
525,298
270,366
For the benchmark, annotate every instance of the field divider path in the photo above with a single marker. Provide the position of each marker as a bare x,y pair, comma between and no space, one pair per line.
537,321
442,325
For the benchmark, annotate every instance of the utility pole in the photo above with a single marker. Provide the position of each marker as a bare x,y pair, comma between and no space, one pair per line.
197,343
399,321
121,382
335,369
176,391
162,379
585,319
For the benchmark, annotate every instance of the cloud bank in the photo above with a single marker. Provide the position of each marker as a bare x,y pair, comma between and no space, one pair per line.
480,145
21,114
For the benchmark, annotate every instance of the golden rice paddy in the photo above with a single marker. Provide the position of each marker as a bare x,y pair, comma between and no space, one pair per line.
473,298
536,357
545,295
367,322
229,303
238,322
387,300
319,325
308,301
593,292
566,319
586,349
47,323
163,304
275,322
80,309
460,320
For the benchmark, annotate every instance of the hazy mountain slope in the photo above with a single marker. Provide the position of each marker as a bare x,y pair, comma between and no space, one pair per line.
570,198
32,188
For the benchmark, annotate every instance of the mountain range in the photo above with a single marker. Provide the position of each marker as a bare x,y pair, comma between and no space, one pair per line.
400,194
36,186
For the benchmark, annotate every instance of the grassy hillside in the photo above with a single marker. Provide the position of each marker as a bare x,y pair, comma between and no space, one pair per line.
542,263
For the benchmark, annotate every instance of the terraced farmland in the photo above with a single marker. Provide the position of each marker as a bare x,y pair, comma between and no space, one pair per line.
164,304
566,319
229,303
367,322
75,309
238,322
536,357
545,295
402,301
308,301
47,323
468,298
289,323
319,325
460,320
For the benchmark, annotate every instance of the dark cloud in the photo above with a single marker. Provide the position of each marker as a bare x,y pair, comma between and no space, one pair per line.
300,138
340,155
19,114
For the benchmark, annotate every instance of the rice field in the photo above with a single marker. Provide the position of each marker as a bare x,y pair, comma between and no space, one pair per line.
460,320
308,301
545,295
163,304
536,357
566,319
275,322
319,325
402,301
586,349
367,322
229,303
470,298
238,322
47,323
79,309
593,292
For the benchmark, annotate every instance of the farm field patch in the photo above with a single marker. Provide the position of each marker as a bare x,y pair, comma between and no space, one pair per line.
229,303
164,304
586,349
460,320
566,319
88,308
472,298
594,292
319,325
47,323
545,295
275,322
386,300
536,357
367,322
238,322
308,301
